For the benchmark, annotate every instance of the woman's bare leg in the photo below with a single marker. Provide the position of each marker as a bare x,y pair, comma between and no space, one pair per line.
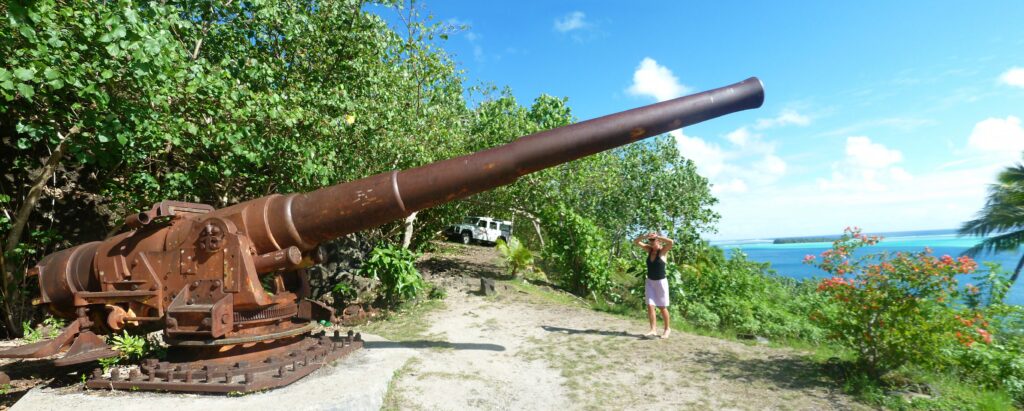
652,319
664,316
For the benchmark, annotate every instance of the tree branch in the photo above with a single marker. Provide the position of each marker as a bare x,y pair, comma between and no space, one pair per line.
21,218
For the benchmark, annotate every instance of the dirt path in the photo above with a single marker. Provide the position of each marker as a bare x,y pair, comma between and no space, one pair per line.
528,348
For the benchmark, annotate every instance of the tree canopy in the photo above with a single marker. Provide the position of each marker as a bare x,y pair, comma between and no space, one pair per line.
112,106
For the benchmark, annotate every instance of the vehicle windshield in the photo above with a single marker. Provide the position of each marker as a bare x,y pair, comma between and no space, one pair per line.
469,220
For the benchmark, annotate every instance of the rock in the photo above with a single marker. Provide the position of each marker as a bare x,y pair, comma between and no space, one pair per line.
342,260
487,286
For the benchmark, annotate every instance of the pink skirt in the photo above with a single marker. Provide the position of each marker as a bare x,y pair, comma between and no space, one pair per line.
656,292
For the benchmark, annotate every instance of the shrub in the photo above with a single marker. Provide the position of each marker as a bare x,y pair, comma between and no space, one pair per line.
999,365
742,295
577,251
131,349
49,328
517,257
893,310
395,268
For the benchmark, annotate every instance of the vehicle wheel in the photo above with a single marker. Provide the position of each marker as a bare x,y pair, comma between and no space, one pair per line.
466,238
503,239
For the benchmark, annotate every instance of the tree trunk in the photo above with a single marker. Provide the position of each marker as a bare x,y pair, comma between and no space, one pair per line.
407,236
1016,272
9,322
8,279
21,218
536,226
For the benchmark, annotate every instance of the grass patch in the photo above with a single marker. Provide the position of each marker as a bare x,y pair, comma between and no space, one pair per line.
949,393
462,376
392,400
408,322
548,295
447,248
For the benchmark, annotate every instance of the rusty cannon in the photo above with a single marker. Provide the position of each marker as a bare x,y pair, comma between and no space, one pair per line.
202,275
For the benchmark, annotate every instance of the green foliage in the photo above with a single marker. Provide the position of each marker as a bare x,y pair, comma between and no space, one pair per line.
395,268
437,293
577,251
131,349
992,286
49,328
924,390
1000,220
742,295
1000,363
208,101
218,102
517,257
893,310
343,291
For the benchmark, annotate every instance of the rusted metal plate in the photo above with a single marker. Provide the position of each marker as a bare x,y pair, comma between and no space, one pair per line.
86,348
275,368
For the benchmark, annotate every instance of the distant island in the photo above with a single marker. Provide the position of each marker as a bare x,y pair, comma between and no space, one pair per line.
797,240
831,238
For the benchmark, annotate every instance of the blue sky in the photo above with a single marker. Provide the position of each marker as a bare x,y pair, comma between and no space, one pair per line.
886,115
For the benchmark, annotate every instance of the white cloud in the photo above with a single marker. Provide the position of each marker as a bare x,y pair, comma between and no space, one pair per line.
739,137
860,151
732,186
771,165
998,136
786,117
1013,77
749,160
572,21
709,158
939,199
654,80
868,166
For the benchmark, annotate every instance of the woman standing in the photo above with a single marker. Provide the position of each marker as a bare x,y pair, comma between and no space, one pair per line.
656,286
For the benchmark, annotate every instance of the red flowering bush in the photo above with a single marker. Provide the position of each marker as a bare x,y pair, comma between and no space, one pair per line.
896,309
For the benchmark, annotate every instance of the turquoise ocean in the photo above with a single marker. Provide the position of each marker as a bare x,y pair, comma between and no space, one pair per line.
787,259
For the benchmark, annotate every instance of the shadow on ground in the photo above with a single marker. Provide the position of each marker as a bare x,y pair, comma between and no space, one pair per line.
432,344
445,266
554,329
25,374
793,373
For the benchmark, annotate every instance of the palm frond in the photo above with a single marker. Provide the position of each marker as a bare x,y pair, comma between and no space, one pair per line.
1004,208
1004,242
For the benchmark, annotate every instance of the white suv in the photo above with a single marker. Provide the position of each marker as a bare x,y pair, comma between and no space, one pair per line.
484,230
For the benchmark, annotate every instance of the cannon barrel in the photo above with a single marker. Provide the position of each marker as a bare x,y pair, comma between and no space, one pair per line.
305,220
